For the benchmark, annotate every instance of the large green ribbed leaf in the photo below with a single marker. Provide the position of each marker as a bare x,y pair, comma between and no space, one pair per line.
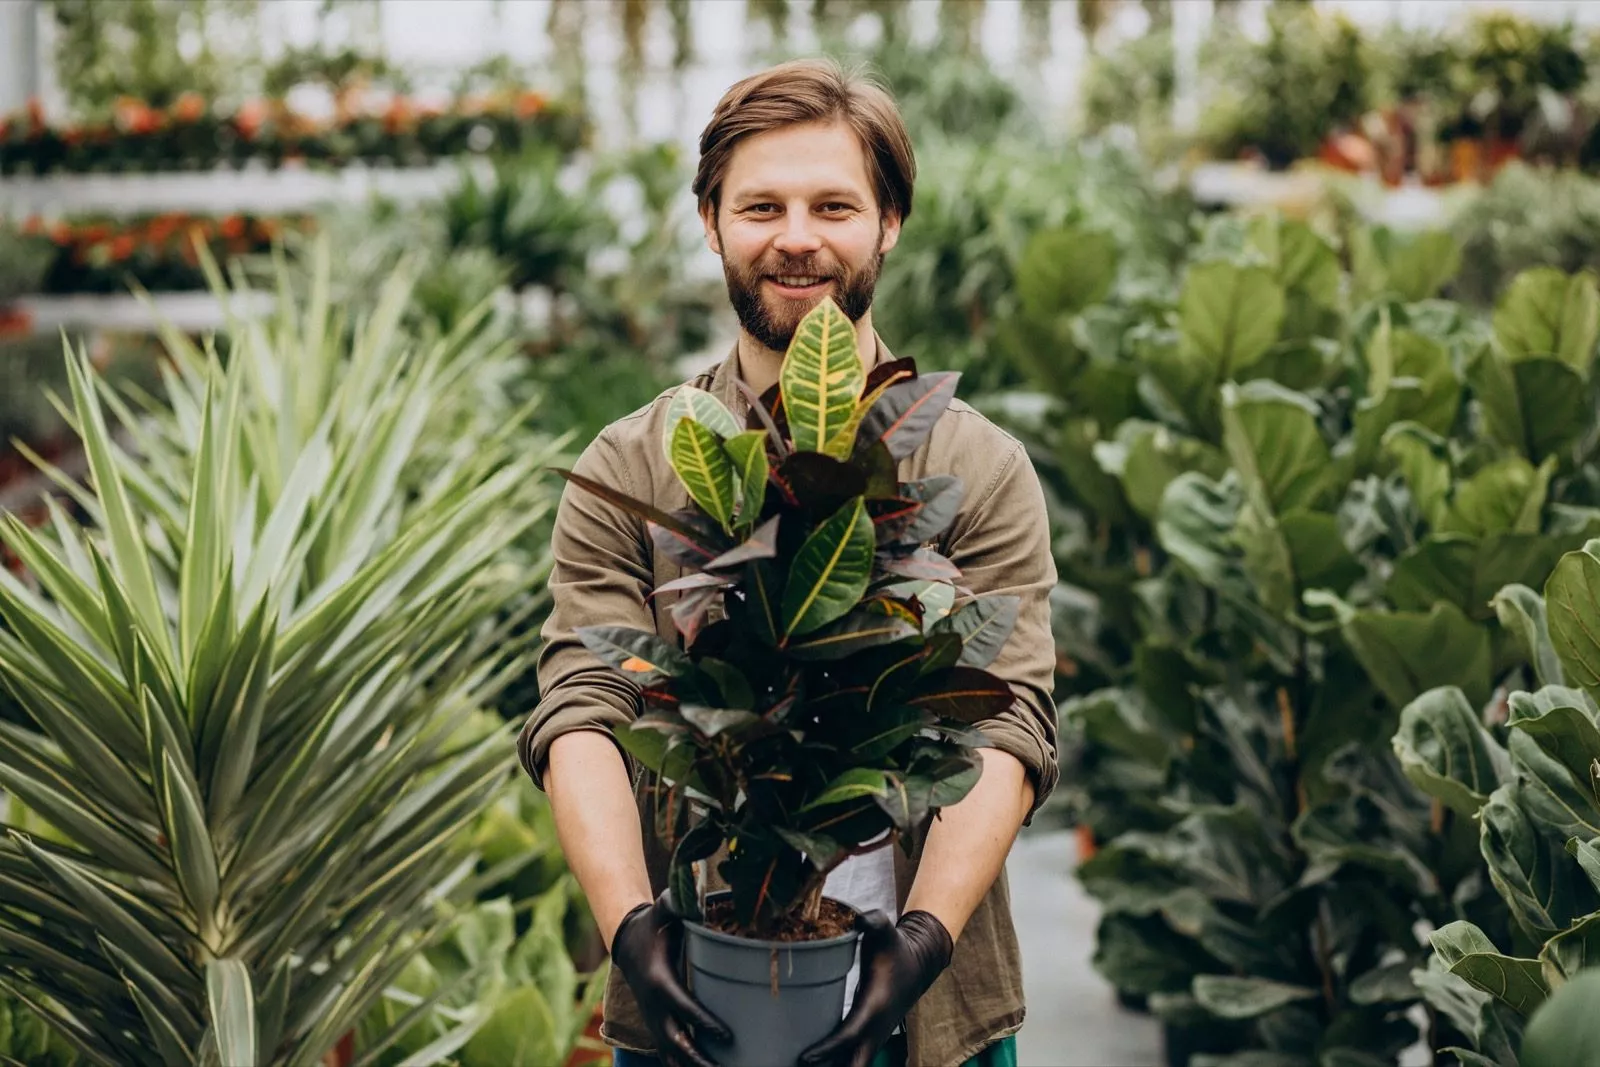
821,381
830,571
705,469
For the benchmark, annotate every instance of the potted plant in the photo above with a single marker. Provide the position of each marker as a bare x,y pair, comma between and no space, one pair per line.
821,702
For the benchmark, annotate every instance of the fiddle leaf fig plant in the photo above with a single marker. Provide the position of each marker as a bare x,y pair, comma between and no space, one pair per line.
1531,785
830,707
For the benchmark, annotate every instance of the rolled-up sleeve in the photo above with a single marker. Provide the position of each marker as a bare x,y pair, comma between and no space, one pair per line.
601,575
1002,546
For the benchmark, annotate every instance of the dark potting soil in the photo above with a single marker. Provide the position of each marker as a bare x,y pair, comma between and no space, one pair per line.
836,920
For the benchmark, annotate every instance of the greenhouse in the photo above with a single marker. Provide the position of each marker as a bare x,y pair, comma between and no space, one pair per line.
759,533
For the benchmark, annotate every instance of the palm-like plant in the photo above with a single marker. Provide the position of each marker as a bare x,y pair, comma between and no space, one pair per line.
246,671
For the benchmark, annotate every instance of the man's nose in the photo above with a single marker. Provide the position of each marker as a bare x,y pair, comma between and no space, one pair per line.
798,238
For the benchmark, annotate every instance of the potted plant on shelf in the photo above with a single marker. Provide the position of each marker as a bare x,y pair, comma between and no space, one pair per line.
820,705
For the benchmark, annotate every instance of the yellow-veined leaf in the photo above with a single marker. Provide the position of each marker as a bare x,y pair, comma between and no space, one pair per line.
705,469
821,380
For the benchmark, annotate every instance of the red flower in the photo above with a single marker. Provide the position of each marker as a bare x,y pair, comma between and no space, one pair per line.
123,247
231,227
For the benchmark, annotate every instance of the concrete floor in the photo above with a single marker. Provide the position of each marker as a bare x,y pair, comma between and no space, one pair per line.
1074,1019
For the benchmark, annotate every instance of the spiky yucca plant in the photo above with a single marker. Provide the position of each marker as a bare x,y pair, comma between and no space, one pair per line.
246,671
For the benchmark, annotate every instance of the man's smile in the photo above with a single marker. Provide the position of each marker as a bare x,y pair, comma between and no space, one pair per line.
798,286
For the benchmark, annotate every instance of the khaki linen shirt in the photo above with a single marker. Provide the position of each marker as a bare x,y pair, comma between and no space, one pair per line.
605,567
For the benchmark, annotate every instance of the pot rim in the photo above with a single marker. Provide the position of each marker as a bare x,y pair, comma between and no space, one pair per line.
702,930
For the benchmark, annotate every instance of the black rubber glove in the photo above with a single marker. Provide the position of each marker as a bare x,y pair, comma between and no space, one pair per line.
898,964
645,949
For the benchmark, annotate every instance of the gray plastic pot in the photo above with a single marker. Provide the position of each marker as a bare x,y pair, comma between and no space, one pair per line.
733,978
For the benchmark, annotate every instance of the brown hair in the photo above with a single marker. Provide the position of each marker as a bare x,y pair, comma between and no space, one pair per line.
811,90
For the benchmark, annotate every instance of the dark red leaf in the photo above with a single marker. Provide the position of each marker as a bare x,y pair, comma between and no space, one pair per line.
923,563
905,414
821,484
966,694
761,544
885,371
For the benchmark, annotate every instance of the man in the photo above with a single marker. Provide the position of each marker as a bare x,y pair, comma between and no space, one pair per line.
804,182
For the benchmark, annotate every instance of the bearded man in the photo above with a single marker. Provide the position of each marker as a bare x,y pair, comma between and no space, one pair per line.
805,180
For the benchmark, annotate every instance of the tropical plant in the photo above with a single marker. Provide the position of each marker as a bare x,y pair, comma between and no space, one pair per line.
1296,489
1525,218
821,715
1525,770
244,673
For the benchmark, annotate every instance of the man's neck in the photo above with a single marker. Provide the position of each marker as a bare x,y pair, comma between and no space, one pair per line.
759,365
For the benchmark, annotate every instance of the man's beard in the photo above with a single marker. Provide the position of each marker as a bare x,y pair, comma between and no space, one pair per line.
775,327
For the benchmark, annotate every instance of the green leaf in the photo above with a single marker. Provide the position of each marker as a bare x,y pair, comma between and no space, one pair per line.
1246,998
1516,982
1408,653
1546,312
855,632
1444,750
233,1014
749,454
1587,853
1528,871
1522,612
639,654
983,625
1554,403
705,469
520,1032
1423,461
1505,496
128,551
830,572
1572,599
1063,271
1572,950
1271,436
1147,456
704,408
714,721
1559,721
189,837
967,694
853,784
1229,316
821,379
1561,1032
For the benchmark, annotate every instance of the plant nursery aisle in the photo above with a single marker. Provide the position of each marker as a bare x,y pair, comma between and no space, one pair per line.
1074,1019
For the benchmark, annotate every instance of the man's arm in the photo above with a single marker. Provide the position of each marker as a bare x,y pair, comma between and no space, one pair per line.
598,825
600,574
968,843
1003,548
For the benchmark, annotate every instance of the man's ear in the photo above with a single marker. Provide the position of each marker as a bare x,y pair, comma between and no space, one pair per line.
708,219
891,231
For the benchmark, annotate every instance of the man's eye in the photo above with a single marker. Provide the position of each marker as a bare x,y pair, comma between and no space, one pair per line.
763,209
835,208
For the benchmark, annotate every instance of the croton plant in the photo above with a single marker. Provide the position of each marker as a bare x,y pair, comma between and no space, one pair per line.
822,702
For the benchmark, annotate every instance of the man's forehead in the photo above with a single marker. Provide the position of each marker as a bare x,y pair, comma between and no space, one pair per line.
814,159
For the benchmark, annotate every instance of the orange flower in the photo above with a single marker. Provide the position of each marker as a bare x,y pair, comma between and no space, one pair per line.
32,225
189,107
61,234
135,116
250,117
231,227
123,247
529,104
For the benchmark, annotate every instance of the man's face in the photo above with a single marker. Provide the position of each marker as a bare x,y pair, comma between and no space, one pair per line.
798,221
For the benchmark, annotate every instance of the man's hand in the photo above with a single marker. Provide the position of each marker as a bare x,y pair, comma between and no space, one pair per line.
898,964
645,950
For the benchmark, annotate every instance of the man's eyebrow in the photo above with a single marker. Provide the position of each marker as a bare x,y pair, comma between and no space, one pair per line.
750,196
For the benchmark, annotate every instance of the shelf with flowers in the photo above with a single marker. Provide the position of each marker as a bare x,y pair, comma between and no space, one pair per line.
100,254
194,135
